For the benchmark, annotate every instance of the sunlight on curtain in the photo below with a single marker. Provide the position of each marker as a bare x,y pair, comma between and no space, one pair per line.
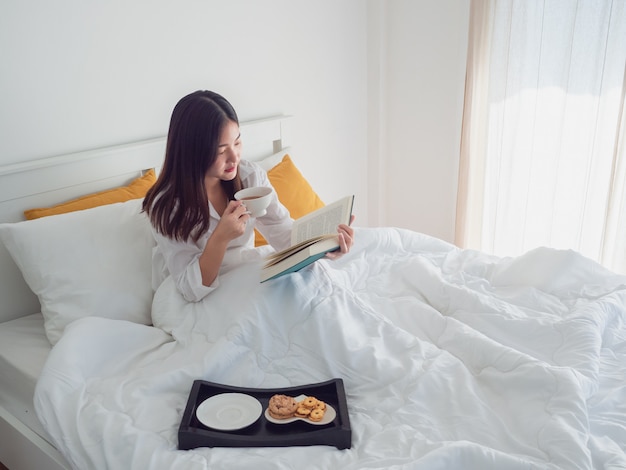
543,155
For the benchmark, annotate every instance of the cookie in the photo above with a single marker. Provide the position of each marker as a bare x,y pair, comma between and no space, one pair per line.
302,412
309,402
316,415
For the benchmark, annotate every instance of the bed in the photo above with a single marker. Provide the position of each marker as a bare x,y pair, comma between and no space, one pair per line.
449,358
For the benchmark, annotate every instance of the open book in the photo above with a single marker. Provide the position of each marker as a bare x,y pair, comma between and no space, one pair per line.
312,236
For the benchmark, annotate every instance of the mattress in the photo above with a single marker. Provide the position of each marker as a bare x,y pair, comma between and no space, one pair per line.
24,348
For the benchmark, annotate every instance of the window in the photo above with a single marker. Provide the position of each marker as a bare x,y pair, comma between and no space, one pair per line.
543,152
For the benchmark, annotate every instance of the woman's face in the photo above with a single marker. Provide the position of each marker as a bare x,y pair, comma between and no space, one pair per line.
228,153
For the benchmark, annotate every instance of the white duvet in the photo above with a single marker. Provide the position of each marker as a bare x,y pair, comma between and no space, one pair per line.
451,359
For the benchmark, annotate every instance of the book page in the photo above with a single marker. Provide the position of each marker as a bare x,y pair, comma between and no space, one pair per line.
281,255
322,222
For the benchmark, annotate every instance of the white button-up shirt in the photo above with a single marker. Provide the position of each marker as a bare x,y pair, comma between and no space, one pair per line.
180,258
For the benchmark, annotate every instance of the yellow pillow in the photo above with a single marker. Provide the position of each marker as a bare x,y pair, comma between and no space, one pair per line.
293,191
135,190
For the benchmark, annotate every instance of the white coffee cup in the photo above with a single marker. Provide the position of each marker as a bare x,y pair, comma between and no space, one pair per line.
255,199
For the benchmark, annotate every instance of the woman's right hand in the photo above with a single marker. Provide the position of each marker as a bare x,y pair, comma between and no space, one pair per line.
233,221
231,225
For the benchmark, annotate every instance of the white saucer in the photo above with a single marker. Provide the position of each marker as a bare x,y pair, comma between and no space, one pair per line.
229,411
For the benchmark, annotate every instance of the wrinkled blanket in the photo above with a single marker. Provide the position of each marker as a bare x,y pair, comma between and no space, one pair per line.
450,359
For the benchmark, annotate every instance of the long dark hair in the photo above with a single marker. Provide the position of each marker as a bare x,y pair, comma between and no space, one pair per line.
177,204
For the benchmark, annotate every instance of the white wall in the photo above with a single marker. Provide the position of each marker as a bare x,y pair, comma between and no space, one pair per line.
423,86
376,87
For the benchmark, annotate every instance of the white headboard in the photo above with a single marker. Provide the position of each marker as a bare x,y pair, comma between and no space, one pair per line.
48,181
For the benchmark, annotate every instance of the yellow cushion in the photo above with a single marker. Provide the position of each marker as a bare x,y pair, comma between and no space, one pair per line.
135,190
293,191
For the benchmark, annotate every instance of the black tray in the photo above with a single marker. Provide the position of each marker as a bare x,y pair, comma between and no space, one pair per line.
262,433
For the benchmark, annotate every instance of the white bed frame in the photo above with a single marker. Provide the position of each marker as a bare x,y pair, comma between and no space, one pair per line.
48,181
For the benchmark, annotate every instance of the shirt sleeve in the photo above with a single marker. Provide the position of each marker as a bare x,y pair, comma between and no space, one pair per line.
180,260
276,224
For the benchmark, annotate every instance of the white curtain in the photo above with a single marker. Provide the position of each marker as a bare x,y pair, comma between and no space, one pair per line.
543,152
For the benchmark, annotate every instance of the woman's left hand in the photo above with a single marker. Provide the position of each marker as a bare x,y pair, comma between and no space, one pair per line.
345,234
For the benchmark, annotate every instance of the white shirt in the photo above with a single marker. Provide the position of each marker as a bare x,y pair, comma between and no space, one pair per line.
180,258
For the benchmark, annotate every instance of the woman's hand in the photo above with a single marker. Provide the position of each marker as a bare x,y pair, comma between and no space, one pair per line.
233,221
345,234
231,225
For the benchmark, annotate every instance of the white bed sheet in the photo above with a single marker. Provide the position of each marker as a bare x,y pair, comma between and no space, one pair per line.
450,359
24,348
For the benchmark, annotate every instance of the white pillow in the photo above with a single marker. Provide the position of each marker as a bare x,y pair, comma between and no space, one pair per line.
94,262
271,161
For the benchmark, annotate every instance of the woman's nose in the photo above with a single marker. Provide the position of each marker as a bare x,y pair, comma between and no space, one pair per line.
233,155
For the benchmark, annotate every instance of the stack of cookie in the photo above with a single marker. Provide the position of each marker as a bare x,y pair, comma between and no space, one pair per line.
311,408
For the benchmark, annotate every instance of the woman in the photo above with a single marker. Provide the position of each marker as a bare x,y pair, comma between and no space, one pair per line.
199,228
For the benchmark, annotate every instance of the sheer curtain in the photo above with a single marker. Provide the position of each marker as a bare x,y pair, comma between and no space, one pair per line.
543,152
